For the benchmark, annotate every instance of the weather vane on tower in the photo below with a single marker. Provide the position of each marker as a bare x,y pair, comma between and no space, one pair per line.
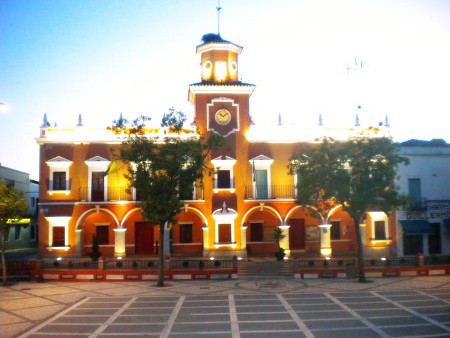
218,16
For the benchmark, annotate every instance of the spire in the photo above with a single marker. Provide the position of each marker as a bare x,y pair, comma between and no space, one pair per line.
357,120
218,17
279,119
80,121
320,119
45,123
386,121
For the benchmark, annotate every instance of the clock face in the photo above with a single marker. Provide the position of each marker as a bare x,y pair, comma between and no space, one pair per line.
223,117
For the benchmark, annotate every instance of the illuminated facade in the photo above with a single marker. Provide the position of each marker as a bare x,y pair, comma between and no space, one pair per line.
22,234
235,213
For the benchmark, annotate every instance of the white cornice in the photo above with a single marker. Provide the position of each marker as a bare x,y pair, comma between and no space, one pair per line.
219,89
219,46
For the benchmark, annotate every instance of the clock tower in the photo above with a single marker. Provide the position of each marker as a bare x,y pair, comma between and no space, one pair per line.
220,99
222,106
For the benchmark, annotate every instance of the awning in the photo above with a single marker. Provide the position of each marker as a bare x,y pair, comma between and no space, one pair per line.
416,227
18,221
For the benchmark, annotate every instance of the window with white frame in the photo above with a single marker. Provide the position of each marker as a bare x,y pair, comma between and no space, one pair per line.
58,237
379,226
97,180
59,175
223,173
261,188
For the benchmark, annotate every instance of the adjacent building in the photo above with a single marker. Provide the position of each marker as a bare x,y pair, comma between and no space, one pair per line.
23,234
234,213
424,226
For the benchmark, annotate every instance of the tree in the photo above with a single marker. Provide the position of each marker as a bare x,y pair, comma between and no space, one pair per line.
278,236
164,170
12,206
318,168
95,253
358,175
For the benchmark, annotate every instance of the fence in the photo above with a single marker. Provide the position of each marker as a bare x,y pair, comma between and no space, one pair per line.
122,269
130,264
374,267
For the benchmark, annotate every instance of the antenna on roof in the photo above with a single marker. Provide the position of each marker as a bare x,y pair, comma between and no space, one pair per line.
218,16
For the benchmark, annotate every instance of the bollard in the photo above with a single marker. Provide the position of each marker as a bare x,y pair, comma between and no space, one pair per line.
235,264
421,260
101,263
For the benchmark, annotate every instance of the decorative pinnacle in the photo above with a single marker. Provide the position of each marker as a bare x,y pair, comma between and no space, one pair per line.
224,207
386,121
80,121
218,17
320,119
279,119
357,120
45,123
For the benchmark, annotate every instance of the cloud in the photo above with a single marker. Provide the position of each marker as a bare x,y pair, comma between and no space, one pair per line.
4,108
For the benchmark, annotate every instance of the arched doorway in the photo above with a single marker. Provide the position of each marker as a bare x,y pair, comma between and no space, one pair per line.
261,222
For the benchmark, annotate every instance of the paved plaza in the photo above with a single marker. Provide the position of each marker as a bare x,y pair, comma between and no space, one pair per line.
385,307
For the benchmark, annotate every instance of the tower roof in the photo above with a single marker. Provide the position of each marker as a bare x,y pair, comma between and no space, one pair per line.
215,41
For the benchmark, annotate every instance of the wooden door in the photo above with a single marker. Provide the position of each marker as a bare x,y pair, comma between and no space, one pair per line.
143,238
224,233
97,186
297,234
262,191
256,232
102,234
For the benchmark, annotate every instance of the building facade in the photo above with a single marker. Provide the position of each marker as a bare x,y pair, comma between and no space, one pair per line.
424,226
23,234
234,213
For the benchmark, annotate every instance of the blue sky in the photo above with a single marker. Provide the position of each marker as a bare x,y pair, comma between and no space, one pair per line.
100,58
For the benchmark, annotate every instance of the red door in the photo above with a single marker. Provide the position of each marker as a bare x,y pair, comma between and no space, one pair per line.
224,233
98,188
297,234
143,238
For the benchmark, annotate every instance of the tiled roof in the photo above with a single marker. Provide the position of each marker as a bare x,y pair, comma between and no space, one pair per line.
423,143
215,38
231,84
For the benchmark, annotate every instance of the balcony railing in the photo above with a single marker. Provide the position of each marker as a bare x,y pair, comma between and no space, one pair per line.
87,194
112,194
265,192
419,205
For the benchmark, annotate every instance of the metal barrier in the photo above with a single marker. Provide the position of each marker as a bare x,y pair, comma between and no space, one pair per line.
130,264
200,264
69,264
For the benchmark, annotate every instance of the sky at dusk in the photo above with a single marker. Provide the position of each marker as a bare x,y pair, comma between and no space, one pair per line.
101,58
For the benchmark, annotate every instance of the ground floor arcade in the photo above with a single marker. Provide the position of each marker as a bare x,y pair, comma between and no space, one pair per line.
121,230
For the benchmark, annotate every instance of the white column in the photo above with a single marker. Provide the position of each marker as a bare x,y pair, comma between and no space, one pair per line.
244,237
205,240
119,242
284,244
325,240
79,242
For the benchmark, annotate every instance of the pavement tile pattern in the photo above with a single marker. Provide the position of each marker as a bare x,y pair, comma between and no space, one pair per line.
243,308
344,314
